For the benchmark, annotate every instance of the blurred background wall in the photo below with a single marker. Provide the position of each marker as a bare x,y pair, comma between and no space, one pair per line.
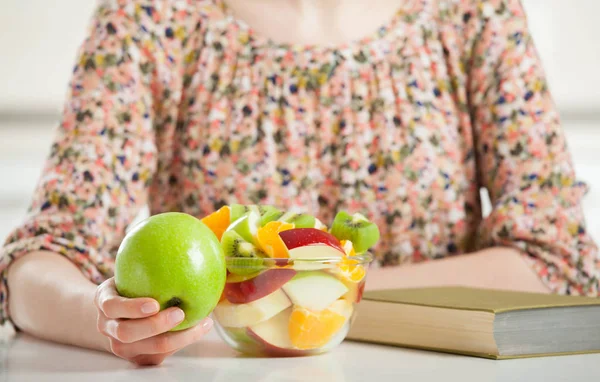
39,39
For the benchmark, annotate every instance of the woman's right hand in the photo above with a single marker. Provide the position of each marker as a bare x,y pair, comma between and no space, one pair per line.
137,331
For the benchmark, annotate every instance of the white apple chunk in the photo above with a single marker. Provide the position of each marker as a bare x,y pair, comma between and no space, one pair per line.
242,315
303,257
342,307
314,290
274,332
307,244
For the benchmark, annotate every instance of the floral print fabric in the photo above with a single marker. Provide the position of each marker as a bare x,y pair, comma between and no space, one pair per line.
180,106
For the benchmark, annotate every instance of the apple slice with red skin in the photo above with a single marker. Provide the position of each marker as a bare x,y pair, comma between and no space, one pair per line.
258,287
233,278
302,237
361,290
311,243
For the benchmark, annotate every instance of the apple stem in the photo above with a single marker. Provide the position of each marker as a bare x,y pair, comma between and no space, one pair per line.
175,301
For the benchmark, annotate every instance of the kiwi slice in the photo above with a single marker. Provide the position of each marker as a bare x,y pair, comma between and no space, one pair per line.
268,214
236,211
243,258
357,228
246,226
299,220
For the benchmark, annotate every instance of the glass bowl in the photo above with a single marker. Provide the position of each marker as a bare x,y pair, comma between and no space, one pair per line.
290,307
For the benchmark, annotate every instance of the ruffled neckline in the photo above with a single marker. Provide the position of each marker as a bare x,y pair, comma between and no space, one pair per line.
389,32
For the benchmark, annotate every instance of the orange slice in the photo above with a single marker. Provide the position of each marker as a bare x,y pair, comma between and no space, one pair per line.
218,221
269,240
350,269
311,330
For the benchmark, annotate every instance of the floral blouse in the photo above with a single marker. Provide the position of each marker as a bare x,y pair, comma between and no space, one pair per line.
180,106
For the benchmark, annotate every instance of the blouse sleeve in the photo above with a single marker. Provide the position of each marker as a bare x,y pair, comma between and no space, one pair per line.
523,159
103,157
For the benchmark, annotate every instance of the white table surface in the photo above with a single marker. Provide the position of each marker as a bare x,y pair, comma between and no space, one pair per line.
27,359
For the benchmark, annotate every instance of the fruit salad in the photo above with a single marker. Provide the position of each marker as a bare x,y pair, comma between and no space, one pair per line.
292,282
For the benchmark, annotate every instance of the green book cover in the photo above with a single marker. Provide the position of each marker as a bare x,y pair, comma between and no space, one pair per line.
488,300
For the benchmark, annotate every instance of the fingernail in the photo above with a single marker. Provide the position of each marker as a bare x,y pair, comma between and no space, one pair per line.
207,324
176,316
149,307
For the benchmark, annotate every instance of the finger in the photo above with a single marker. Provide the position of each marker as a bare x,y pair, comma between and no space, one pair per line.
169,342
150,360
122,350
101,323
115,306
129,331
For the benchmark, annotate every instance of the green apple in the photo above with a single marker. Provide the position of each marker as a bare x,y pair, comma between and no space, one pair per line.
175,259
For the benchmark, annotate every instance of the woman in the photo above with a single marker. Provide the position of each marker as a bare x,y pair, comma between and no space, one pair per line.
184,106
